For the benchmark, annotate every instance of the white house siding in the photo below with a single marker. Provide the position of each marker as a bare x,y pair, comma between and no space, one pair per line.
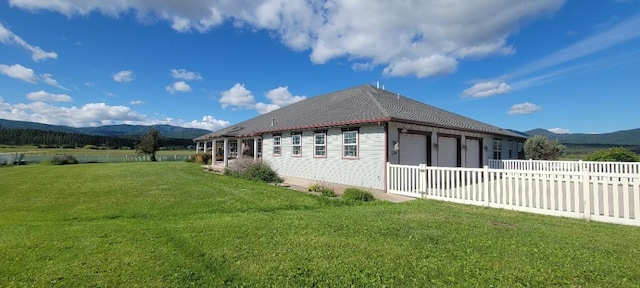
367,171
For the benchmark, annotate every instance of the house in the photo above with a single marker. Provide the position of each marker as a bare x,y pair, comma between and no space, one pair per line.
347,137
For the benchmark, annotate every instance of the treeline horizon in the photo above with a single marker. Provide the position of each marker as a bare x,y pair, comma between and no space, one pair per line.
54,139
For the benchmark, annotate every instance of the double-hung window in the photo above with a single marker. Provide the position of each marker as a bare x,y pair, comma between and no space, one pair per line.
296,144
277,145
497,149
320,144
350,144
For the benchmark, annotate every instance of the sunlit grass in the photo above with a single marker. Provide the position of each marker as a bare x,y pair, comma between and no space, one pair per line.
171,224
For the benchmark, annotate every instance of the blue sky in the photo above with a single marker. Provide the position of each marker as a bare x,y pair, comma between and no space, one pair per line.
567,66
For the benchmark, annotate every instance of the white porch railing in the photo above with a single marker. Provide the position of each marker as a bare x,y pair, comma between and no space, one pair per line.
613,198
567,166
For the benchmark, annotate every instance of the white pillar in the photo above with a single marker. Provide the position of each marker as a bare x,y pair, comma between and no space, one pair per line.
225,156
213,152
197,147
255,149
463,151
205,148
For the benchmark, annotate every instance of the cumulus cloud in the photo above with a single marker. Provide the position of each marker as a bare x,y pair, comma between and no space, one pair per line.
263,108
20,72
136,102
48,97
123,76
208,122
238,96
282,97
37,54
524,108
560,130
183,74
486,89
48,78
419,38
180,86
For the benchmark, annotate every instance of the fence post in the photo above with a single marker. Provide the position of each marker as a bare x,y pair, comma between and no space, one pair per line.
586,192
485,184
423,179
388,177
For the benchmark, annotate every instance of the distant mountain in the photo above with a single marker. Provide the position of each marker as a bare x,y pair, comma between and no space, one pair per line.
110,130
624,137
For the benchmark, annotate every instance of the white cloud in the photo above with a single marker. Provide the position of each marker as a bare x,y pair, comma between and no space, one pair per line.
208,122
486,89
20,72
524,108
123,76
179,86
185,75
281,96
136,102
238,96
48,78
263,108
37,54
48,97
420,38
560,130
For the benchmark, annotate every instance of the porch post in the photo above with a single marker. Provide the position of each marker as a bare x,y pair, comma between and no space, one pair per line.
213,152
225,157
197,147
255,149
205,148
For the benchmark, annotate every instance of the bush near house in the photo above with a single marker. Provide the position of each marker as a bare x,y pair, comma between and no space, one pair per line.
354,194
247,168
204,158
615,154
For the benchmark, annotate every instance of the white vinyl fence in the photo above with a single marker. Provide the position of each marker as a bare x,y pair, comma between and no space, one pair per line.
605,197
567,166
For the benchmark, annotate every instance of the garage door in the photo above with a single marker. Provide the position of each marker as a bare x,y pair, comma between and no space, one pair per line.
447,152
413,149
472,156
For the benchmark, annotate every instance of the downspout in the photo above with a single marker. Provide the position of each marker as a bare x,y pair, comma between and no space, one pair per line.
386,152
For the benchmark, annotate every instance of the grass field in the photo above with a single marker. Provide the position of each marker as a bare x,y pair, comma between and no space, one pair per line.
170,224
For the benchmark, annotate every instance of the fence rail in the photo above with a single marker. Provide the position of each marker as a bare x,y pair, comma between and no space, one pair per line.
613,198
10,158
567,166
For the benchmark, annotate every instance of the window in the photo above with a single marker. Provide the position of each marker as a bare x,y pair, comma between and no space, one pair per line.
320,144
497,149
277,145
296,144
350,144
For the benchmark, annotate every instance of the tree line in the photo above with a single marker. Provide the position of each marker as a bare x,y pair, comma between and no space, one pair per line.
55,139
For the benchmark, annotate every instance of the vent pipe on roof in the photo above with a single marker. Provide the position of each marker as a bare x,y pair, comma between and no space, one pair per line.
273,122
377,84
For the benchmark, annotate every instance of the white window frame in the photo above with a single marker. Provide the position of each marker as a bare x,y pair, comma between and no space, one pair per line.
316,145
277,145
295,145
345,145
497,149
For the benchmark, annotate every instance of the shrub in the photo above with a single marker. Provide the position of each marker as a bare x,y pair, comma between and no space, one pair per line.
615,154
354,194
246,168
91,147
541,148
327,192
63,160
204,158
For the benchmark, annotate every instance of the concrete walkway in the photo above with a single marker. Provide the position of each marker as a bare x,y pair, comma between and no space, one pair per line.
304,184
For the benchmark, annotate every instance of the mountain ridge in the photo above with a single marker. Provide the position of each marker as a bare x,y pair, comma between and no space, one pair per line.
621,137
120,130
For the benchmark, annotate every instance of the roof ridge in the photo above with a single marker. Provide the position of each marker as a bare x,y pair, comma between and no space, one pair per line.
375,101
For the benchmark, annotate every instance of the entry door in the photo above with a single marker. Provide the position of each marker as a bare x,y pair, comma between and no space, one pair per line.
447,151
472,156
413,149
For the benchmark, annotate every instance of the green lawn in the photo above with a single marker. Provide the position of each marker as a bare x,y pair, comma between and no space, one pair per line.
171,224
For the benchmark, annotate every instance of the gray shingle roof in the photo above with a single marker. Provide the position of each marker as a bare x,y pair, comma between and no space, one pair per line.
358,105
